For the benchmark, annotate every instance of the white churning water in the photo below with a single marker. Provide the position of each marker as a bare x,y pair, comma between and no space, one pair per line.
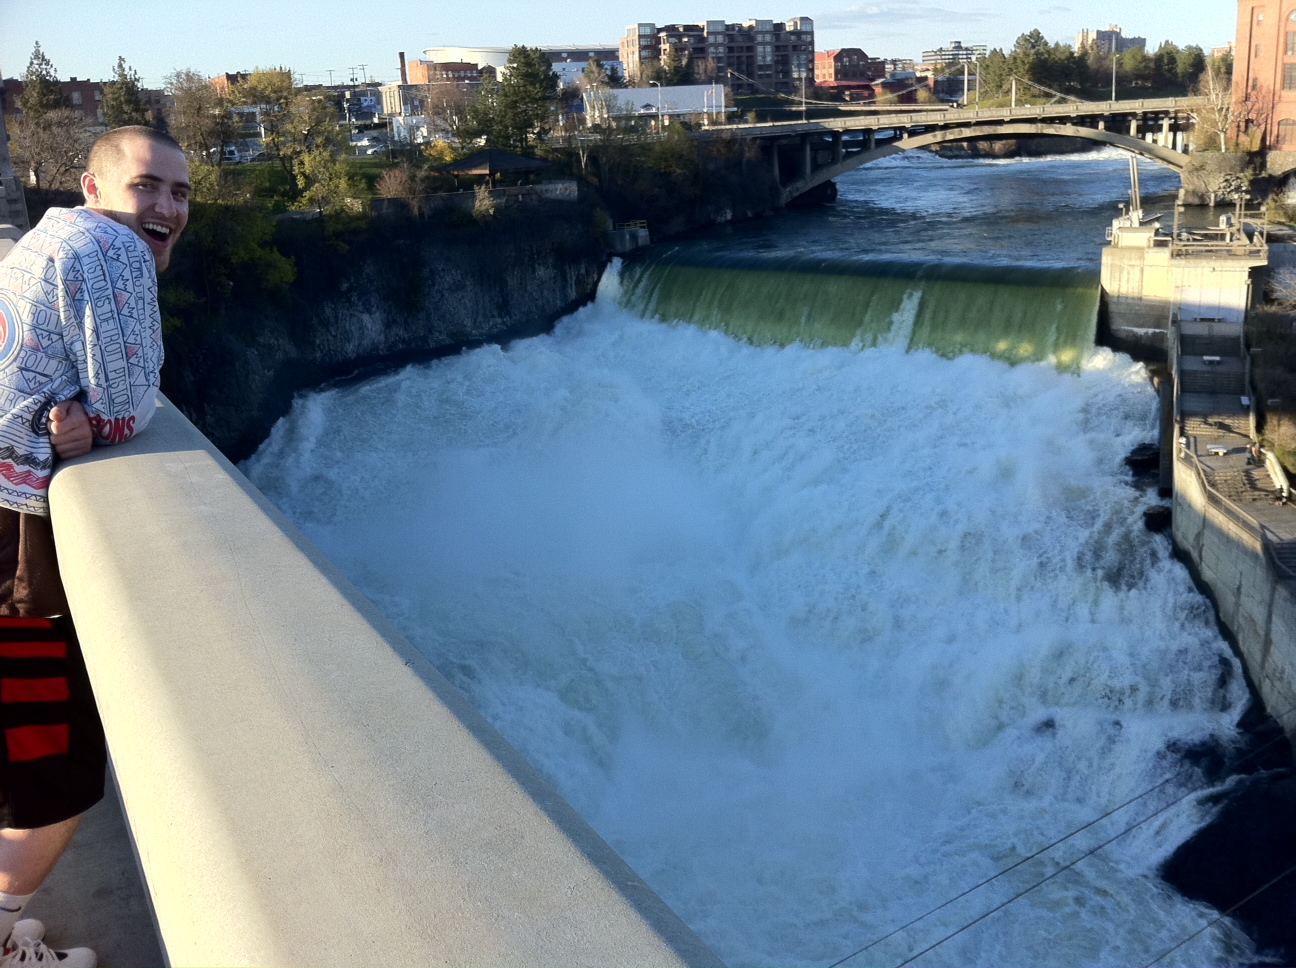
815,638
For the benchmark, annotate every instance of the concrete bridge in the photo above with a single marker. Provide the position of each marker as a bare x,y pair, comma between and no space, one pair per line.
808,154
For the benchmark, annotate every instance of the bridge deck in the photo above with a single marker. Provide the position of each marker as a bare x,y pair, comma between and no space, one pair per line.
957,117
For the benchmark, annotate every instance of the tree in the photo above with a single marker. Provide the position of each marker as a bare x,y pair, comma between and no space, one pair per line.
518,110
270,91
200,118
1215,116
675,68
52,147
1165,64
42,91
1136,66
995,74
527,93
446,107
594,77
123,103
1192,61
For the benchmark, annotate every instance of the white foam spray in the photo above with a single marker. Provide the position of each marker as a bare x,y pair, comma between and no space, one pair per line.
817,639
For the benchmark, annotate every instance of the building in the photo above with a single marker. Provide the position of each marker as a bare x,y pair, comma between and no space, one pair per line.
444,72
696,102
764,56
1109,41
224,83
568,60
845,68
1264,80
84,97
955,53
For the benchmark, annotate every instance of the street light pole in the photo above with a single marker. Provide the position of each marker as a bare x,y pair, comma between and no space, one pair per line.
657,84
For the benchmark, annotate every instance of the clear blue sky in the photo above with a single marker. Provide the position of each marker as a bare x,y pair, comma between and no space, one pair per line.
83,39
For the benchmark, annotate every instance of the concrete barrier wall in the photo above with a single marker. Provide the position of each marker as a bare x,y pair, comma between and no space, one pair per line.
302,786
1258,609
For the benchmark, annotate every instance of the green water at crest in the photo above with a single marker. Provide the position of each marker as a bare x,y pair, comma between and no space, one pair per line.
1008,313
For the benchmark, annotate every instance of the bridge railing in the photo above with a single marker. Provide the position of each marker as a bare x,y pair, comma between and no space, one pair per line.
301,784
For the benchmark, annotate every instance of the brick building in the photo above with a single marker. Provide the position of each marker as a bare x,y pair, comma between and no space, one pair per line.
1264,78
846,69
750,57
85,97
454,72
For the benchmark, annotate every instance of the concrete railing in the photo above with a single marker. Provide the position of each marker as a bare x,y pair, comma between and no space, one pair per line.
301,784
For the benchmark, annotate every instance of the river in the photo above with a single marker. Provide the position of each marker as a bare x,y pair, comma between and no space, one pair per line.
822,636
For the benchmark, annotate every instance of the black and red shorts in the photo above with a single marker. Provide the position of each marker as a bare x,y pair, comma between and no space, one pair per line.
53,756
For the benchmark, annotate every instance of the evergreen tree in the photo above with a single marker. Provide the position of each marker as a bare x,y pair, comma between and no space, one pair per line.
123,103
42,92
1192,61
675,68
1165,64
595,76
519,110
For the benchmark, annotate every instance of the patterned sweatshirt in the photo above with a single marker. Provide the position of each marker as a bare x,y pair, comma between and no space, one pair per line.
78,319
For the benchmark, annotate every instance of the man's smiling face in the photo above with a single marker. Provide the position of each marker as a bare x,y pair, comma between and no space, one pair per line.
145,187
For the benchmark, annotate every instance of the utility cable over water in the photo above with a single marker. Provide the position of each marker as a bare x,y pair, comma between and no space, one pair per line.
1016,315
1254,754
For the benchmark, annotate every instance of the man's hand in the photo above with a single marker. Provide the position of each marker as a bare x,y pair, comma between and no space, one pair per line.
69,430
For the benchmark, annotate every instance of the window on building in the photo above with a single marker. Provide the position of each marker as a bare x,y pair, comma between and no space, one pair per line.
76,98
1289,77
1291,43
1257,53
1287,134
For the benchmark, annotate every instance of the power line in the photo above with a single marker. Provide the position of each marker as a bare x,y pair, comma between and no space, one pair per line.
1058,842
1221,916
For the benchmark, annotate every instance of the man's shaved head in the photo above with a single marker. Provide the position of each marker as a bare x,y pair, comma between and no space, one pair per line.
139,178
108,152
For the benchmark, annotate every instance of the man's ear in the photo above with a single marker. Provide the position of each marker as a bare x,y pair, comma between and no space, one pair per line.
90,189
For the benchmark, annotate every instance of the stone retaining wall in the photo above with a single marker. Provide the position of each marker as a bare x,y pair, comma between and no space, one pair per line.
1257,608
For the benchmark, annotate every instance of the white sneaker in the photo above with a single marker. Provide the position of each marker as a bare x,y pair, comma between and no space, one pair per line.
29,951
32,928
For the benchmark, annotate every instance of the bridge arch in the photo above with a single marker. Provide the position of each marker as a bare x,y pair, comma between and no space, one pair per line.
1168,157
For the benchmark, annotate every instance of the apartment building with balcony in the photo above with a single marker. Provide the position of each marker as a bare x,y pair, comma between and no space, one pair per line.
955,53
756,56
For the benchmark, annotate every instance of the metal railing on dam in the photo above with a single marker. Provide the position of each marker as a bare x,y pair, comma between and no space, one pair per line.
302,786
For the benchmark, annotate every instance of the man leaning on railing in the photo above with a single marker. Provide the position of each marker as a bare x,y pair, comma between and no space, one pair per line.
80,355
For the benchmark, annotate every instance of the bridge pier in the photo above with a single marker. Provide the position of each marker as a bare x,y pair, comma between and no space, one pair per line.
806,161
774,162
872,140
1134,126
1165,132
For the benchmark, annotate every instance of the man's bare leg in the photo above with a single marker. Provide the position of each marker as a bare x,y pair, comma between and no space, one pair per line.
27,856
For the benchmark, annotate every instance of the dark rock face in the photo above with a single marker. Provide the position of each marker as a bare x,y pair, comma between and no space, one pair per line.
1143,458
1251,841
1157,518
385,293
1251,844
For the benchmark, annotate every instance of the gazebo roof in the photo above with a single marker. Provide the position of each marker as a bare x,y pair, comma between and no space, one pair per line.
491,162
